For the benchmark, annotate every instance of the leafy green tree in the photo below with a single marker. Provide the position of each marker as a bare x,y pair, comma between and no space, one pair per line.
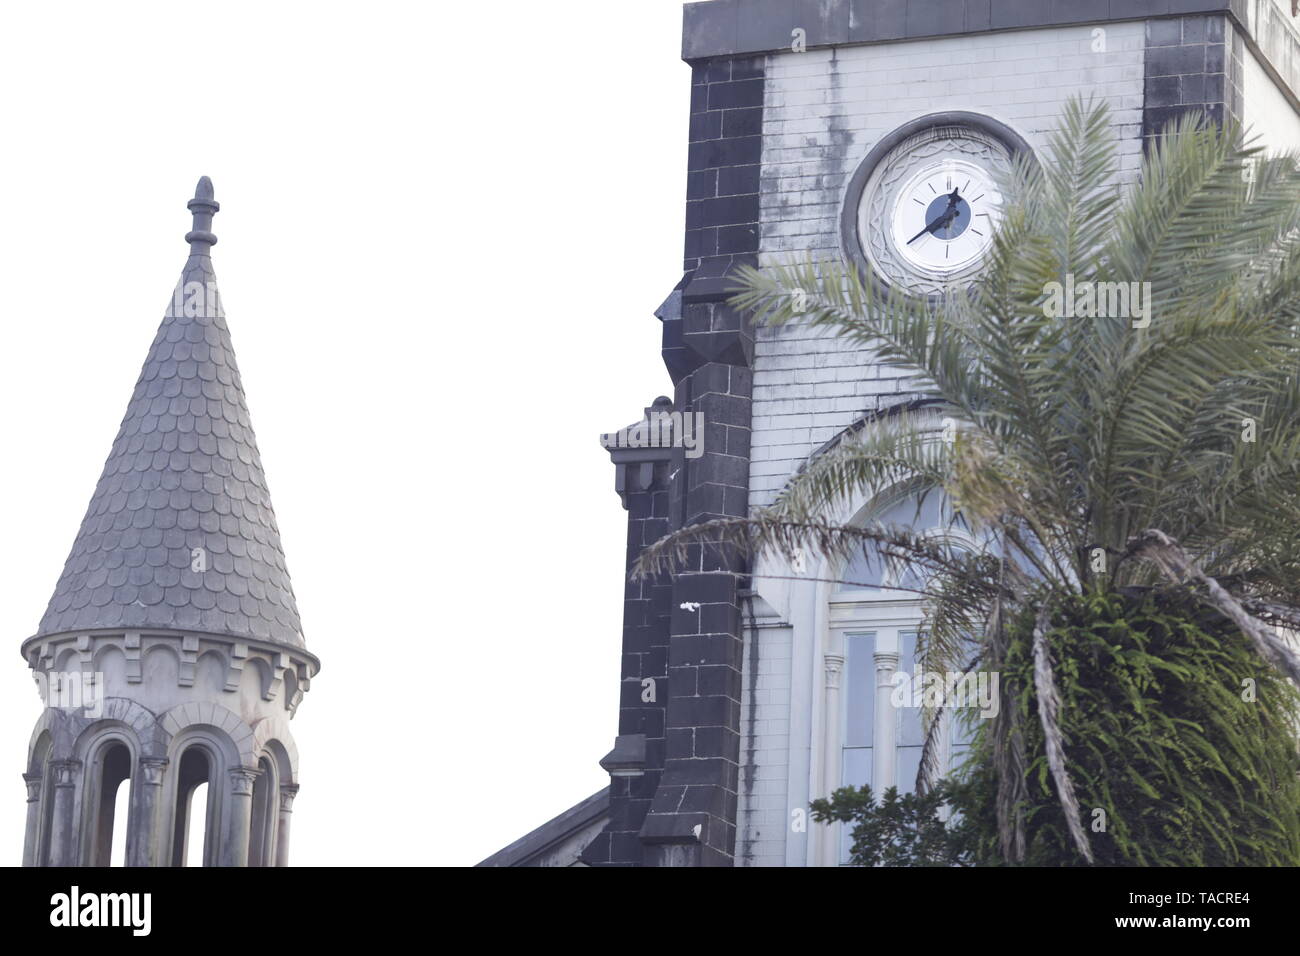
1180,742
896,831
1096,457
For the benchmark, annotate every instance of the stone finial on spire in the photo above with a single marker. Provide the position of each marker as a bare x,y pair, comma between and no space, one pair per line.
204,208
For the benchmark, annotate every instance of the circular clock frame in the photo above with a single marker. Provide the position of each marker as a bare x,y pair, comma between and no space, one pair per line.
973,127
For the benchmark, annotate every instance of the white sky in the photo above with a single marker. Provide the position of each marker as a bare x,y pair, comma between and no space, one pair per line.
444,230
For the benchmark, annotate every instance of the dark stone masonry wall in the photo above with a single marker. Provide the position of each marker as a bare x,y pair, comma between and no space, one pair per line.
726,145
642,482
685,633
1193,63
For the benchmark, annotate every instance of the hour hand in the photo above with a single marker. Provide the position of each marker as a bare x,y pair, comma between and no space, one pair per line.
937,224
928,227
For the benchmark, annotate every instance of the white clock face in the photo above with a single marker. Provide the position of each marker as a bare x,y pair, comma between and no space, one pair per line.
929,208
944,216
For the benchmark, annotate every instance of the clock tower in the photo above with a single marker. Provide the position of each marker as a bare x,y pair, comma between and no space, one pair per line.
872,131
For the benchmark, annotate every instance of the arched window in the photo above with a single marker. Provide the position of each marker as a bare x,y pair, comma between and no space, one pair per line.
867,569
121,814
192,840
875,724
261,830
40,764
196,827
110,775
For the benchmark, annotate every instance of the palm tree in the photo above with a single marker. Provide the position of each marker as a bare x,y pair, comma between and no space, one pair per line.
1090,454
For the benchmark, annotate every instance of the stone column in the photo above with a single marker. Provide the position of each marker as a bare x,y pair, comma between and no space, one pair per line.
63,839
709,351
35,783
235,850
287,792
637,760
834,664
150,822
884,749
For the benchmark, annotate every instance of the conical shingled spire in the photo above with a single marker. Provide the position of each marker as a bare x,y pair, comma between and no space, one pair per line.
180,533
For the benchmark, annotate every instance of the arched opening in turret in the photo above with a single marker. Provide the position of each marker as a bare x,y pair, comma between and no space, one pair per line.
261,831
121,813
44,824
111,789
192,842
196,837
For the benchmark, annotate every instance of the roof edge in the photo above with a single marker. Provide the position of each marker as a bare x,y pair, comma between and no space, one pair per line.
552,832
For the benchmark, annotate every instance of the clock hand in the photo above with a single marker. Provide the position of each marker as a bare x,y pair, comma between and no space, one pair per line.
952,212
945,219
948,216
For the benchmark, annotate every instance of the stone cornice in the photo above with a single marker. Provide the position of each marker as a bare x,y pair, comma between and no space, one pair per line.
41,653
748,27
131,638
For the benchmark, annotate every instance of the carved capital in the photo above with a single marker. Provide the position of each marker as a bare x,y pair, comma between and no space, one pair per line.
834,666
287,792
152,770
65,772
886,661
33,781
242,780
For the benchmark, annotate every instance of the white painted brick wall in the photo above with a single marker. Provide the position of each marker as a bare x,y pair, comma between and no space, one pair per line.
1268,113
808,386
763,816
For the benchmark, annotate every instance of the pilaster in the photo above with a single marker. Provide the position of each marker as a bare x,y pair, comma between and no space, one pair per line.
833,667
146,842
63,837
35,784
287,792
235,850
884,753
